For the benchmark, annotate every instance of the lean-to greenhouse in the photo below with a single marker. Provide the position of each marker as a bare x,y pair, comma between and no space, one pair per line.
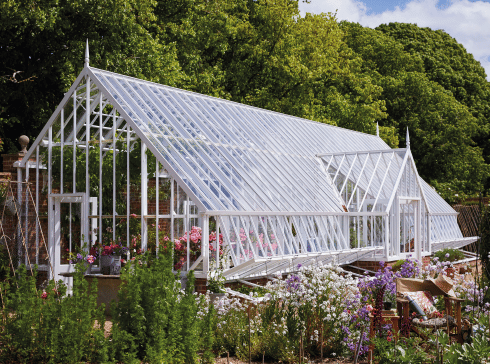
151,166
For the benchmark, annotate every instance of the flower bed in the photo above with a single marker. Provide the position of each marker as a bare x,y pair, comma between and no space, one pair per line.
317,311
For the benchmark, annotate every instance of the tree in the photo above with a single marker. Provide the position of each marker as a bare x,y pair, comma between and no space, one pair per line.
447,62
441,127
43,49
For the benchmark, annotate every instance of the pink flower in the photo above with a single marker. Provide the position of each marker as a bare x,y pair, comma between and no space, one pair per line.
44,295
133,215
90,259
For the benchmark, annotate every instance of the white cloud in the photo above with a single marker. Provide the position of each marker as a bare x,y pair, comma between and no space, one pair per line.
466,21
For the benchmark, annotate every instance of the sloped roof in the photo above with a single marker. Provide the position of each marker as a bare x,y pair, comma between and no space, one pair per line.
236,157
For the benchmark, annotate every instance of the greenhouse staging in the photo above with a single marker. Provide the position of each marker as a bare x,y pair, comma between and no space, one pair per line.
228,187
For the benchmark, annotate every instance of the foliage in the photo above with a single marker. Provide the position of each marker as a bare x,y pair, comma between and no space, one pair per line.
310,306
407,267
50,325
154,317
443,129
393,349
262,53
484,232
4,263
43,50
449,255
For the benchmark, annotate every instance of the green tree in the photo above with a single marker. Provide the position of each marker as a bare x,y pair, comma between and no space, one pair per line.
43,49
447,62
441,127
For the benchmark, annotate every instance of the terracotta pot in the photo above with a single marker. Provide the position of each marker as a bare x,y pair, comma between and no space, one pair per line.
450,272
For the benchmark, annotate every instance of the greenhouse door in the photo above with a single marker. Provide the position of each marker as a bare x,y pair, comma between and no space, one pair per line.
68,230
409,209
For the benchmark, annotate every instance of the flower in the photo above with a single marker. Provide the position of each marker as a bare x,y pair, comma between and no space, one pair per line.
90,259
44,295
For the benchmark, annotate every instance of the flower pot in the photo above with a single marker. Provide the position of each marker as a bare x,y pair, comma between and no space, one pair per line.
387,305
116,265
106,263
450,272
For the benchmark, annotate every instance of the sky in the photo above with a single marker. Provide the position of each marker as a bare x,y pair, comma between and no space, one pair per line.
467,21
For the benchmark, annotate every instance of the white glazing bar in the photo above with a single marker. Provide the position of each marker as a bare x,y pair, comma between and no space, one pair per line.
100,168
227,242
218,246
69,226
348,174
205,244
369,184
181,160
334,179
157,204
172,213
114,155
144,197
239,247
191,148
386,220
128,190
87,150
38,162
62,147
279,246
398,181
265,161
74,141
19,226
51,243
257,236
358,181
188,231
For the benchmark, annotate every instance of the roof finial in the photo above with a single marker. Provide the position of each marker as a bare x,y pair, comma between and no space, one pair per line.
86,54
377,129
408,139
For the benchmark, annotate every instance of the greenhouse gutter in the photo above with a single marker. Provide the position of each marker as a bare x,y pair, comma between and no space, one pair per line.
265,266
291,213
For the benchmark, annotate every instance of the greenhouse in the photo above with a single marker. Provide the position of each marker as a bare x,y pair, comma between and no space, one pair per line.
224,185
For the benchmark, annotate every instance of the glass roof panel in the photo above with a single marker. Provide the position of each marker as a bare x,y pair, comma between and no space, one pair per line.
237,157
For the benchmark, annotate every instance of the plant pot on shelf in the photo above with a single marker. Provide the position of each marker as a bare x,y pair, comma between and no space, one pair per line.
110,264
387,305
116,265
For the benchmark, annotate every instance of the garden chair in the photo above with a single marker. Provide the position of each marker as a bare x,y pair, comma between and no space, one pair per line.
442,286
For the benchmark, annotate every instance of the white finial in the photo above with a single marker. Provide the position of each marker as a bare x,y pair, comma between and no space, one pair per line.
86,54
408,139
377,129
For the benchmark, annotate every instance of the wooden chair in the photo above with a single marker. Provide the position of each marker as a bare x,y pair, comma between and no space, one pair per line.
452,304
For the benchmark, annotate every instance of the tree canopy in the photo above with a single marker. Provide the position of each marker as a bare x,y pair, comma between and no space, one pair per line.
262,53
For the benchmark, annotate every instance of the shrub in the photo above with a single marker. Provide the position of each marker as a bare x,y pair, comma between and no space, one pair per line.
154,318
50,326
449,255
308,306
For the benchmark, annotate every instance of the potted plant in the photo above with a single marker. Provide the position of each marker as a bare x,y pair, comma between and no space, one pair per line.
216,284
110,258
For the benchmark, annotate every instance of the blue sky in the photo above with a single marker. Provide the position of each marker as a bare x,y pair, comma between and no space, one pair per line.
468,21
